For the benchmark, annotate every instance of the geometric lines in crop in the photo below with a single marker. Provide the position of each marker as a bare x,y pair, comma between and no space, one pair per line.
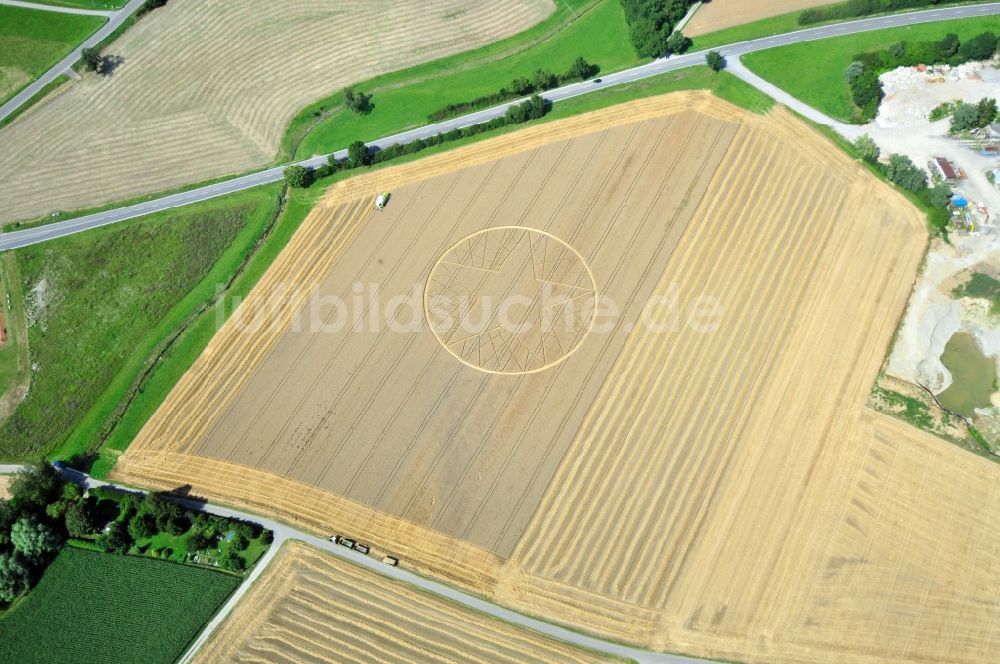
510,300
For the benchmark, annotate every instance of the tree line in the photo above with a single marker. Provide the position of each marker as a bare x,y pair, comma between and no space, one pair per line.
651,26
360,155
863,73
44,511
521,86
901,171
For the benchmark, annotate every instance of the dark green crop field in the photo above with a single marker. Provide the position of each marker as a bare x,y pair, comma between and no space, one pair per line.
98,607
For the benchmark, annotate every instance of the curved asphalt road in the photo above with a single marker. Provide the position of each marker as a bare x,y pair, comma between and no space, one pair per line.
23,238
117,18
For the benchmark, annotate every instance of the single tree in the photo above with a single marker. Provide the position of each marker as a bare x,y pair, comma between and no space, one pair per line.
116,539
14,577
81,519
677,43
866,148
239,541
715,60
91,58
854,71
142,525
36,485
902,171
964,117
198,541
357,155
520,86
987,111
7,517
298,177
33,539
948,46
544,80
940,195
231,561
580,70
359,102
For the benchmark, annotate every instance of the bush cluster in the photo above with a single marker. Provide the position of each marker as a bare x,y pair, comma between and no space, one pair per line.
44,509
359,155
540,81
853,8
973,116
651,26
863,72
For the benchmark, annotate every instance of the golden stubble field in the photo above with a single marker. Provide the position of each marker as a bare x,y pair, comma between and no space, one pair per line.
720,14
207,88
718,491
312,607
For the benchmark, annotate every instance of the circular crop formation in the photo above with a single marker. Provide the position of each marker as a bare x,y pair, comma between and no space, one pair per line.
510,300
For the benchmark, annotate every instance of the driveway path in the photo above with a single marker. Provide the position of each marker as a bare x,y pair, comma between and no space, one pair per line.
22,97
57,9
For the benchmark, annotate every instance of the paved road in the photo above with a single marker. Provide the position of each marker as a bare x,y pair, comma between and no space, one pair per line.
22,238
57,8
283,532
21,98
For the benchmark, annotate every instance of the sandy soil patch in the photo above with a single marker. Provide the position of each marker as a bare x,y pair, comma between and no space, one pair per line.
312,607
207,87
5,486
720,14
902,125
715,490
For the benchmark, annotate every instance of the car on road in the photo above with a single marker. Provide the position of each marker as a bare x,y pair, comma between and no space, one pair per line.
597,81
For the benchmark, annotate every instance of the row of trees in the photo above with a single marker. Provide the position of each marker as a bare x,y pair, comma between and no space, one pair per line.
44,510
863,73
651,26
521,86
359,155
901,171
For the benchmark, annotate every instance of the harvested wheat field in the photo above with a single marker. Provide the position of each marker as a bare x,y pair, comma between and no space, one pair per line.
720,14
207,88
314,607
707,482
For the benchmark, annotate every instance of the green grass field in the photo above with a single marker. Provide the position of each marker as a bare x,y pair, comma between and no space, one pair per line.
102,5
596,31
776,25
31,41
101,307
814,72
97,607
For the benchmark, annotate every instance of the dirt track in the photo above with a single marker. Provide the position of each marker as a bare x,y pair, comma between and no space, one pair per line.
722,493
720,14
207,88
311,607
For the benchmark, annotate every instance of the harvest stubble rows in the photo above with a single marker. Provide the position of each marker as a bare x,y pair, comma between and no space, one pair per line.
677,488
207,89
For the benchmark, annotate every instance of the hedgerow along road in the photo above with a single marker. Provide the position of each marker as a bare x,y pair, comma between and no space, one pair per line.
23,238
